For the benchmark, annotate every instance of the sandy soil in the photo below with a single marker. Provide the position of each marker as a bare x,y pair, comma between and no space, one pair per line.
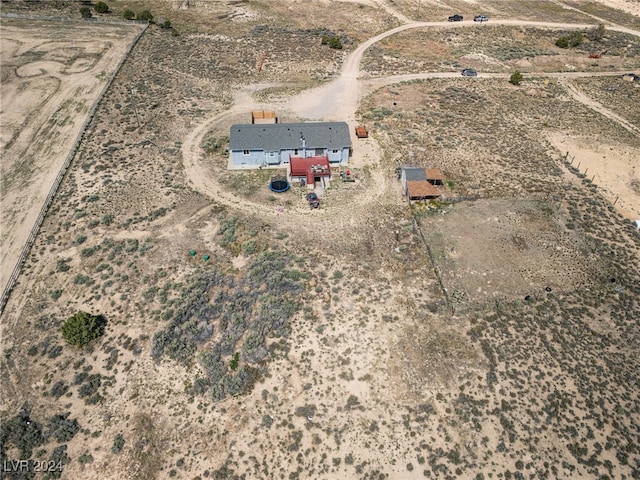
378,377
49,83
613,167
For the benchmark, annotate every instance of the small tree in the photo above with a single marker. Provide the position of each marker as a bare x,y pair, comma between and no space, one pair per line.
516,78
145,16
82,328
128,14
102,7
85,12
332,41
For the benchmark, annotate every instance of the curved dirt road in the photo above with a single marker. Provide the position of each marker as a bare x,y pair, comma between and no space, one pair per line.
339,100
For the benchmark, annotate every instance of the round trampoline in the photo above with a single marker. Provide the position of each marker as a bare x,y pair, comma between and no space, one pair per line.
279,184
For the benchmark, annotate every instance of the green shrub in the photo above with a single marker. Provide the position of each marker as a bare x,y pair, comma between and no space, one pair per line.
85,12
21,432
59,388
82,328
128,14
61,429
55,294
62,265
516,78
570,41
332,41
145,16
102,7
118,443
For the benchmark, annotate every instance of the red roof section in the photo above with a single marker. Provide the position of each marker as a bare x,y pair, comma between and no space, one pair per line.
421,189
309,167
434,174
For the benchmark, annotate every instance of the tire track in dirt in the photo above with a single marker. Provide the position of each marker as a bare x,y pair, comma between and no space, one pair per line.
597,107
339,100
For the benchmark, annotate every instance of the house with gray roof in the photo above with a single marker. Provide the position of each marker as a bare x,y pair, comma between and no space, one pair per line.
262,145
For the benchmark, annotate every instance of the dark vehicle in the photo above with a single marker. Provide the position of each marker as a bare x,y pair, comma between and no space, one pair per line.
313,200
469,72
456,18
480,18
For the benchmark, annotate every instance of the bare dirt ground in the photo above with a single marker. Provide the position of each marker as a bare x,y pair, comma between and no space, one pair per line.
51,75
249,337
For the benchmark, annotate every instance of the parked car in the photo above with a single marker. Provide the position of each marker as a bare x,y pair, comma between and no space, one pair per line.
480,18
455,18
314,201
469,72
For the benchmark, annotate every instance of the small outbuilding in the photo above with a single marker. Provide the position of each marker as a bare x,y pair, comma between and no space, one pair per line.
263,116
416,184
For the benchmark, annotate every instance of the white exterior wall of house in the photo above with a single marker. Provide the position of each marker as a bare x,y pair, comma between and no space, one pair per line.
256,158
403,181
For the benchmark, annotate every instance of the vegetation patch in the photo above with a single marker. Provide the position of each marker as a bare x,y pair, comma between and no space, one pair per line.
238,314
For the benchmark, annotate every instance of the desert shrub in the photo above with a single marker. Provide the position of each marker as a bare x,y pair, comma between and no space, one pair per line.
62,265
212,145
235,361
128,14
132,245
107,219
145,16
249,247
21,432
516,78
250,307
570,41
88,251
58,457
55,294
157,213
61,429
333,41
82,328
85,458
85,12
102,7
54,351
166,24
118,443
227,231
596,33
90,386
306,411
59,388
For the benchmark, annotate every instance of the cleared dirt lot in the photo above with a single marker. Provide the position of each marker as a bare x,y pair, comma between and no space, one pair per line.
245,340
52,73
